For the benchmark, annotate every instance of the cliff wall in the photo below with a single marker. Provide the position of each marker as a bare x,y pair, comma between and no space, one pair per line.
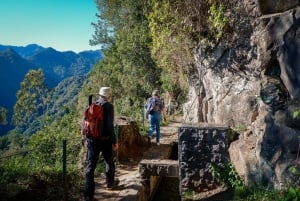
250,82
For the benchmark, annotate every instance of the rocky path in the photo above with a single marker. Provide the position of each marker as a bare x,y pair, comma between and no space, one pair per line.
127,172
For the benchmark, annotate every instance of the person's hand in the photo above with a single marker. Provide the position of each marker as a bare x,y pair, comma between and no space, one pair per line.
165,119
115,147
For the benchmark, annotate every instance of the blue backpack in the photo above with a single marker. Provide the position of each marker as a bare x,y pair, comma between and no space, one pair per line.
154,105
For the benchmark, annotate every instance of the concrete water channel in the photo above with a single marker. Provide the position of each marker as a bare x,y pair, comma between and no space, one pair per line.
188,175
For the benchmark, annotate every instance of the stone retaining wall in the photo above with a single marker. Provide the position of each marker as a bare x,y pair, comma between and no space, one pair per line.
199,147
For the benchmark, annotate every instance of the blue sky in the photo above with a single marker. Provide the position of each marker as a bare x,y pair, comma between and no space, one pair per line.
61,24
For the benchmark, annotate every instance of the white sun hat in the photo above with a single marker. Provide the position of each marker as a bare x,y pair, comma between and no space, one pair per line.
105,91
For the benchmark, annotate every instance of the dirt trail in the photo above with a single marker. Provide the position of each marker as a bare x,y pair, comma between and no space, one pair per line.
127,172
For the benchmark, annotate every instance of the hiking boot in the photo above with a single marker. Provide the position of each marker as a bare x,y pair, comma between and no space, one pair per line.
157,143
149,141
113,186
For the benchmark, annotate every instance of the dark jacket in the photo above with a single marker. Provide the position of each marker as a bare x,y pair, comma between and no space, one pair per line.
108,119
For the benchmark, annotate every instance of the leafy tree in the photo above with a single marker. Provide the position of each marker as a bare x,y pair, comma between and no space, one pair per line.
46,145
31,99
104,28
17,141
149,44
122,30
4,143
3,115
145,49
13,143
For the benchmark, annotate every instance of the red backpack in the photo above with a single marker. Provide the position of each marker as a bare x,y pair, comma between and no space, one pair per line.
92,125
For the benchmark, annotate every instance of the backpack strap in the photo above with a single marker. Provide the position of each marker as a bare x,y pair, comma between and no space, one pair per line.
90,99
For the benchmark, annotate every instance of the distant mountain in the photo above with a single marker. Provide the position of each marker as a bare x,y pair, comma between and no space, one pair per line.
56,65
65,93
12,70
16,61
60,65
24,52
63,96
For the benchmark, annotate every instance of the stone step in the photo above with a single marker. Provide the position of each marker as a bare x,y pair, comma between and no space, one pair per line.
163,168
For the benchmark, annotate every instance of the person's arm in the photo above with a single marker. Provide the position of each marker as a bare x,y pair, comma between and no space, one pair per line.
108,127
111,124
112,133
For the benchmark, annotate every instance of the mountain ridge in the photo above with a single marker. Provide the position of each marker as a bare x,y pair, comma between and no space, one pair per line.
31,49
16,61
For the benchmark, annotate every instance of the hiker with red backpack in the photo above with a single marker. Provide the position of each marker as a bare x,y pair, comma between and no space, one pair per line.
155,108
98,131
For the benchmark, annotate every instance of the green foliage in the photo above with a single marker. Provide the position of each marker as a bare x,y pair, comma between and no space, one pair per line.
188,194
31,99
4,143
293,193
170,46
130,107
45,147
217,18
296,114
43,164
57,103
13,143
107,20
13,168
254,193
64,95
21,174
46,144
127,66
3,115
240,127
294,169
226,174
17,141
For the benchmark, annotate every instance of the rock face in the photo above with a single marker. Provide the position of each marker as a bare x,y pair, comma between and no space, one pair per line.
251,82
270,6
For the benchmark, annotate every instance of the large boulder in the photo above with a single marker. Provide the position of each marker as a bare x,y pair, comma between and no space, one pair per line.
131,143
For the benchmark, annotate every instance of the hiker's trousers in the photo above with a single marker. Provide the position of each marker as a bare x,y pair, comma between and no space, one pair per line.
154,122
94,147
